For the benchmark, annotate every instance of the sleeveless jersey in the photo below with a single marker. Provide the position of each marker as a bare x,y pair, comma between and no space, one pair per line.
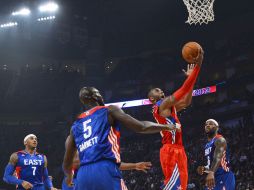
95,138
168,137
30,168
209,152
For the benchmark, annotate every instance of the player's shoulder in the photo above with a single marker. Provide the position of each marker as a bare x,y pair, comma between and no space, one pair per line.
219,136
114,113
219,139
20,152
113,107
14,158
14,154
40,154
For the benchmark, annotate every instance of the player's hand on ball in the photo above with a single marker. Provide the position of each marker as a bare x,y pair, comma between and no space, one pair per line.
199,59
190,68
210,181
143,166
52,188
26,185
200,170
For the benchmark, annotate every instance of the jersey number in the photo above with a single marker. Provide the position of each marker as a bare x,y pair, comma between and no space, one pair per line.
87,129
34,169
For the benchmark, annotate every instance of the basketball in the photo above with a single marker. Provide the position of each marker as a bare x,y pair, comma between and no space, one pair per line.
190,51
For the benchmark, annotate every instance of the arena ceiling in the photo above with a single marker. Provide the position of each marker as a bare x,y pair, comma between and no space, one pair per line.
127,27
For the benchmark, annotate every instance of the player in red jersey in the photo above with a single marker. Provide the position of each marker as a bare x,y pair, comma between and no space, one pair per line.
172,155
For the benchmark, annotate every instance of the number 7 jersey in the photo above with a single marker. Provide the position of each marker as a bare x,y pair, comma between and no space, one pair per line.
30,168
95,138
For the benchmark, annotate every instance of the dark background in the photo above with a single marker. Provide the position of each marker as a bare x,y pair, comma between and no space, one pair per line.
124,48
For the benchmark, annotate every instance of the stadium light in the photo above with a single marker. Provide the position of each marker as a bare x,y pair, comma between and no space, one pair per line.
48,7
46,18
22,12
9,24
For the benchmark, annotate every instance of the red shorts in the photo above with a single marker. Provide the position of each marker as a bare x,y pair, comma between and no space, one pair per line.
174,166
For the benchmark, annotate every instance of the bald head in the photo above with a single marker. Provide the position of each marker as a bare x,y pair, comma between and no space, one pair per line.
89,95
155,95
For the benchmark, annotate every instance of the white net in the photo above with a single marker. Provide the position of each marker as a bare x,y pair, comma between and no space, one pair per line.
200,11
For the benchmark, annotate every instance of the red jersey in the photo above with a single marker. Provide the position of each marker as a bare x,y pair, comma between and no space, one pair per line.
168,137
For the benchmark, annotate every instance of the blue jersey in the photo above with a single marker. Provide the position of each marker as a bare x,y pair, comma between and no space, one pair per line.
209,153
30,168
95,138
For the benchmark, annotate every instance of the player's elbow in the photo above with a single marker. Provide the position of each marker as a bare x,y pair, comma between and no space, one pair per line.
187,103
144,127
144,131
4,179
139,129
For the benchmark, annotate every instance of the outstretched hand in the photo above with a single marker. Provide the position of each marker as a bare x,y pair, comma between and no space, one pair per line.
143,166
210,180
190,68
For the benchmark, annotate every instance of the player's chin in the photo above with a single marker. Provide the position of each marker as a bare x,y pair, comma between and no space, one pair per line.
34,145
207,130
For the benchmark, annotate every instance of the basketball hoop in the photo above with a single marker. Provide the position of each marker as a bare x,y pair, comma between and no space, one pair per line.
200,11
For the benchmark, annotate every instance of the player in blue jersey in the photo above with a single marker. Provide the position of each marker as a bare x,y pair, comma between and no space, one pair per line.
30,167
140,166
219,175
95,134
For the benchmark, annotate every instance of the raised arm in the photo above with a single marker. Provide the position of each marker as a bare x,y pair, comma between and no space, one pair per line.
146,127
183,91
221,145
186,100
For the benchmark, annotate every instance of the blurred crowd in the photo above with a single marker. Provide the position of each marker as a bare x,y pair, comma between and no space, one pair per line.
240,141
